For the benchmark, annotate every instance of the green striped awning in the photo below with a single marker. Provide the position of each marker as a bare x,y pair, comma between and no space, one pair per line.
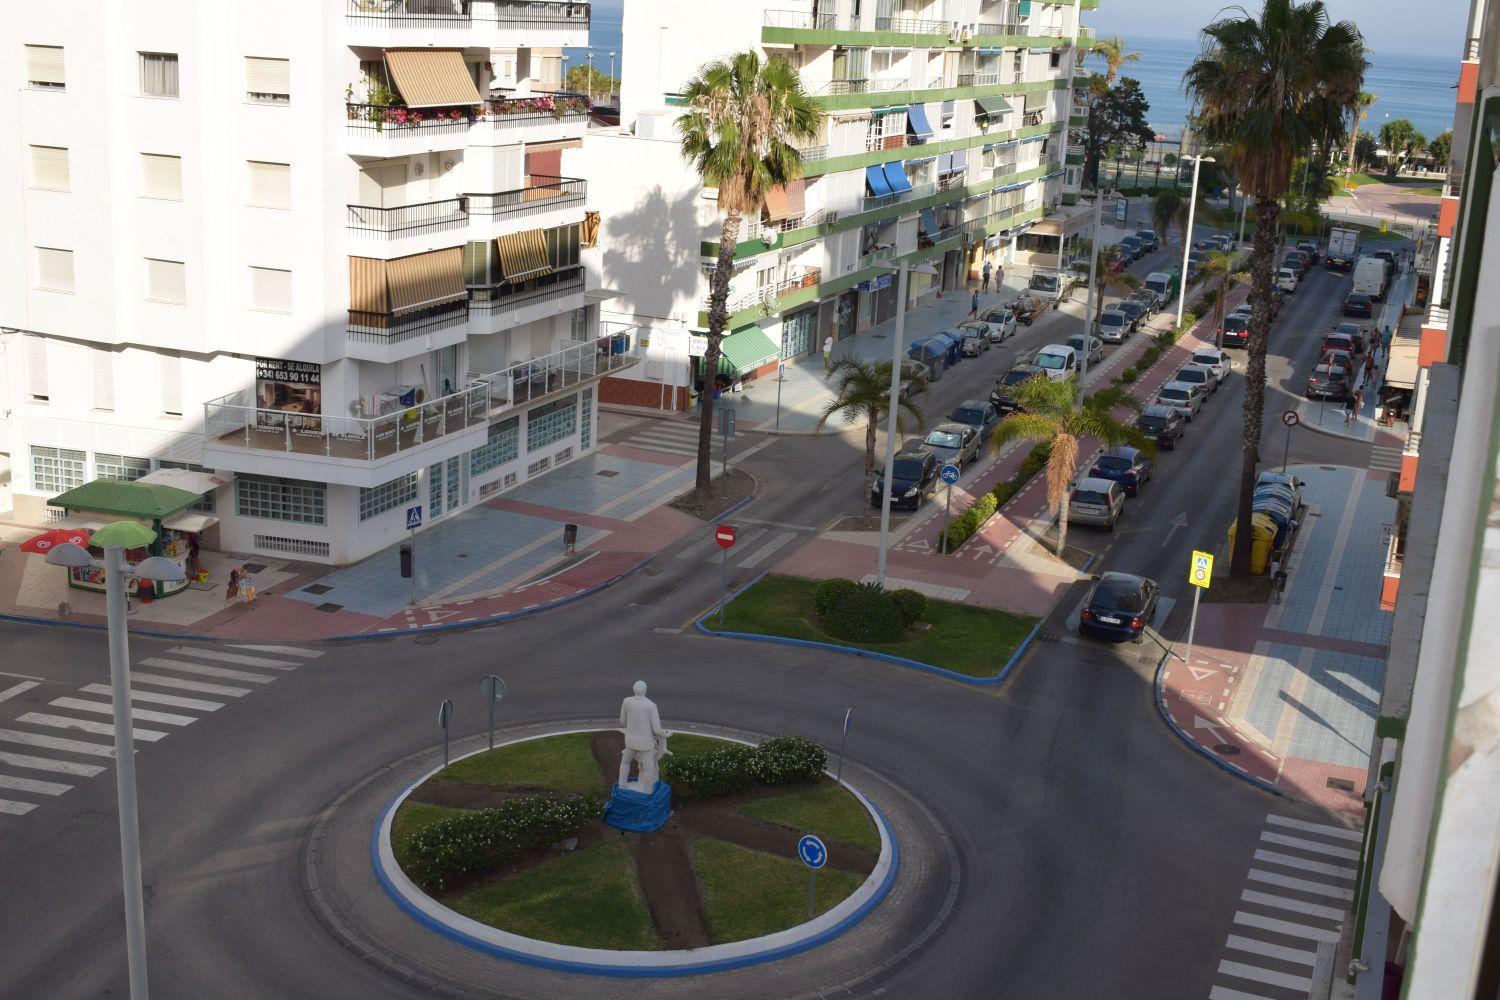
993,105
745,350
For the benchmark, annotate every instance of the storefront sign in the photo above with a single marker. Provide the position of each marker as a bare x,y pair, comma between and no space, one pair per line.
292,386
992,242
875,284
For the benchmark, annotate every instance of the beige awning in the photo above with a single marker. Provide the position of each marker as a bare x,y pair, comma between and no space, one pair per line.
1049,227
523,255
588,234
185,479
1406,345
428,78
426,279
601,294
190,522
543,147
778,205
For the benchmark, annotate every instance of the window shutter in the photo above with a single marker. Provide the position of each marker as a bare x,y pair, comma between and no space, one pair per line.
171,385
104,379
271,289
166,280
44,66
49,168
54,269
36,367
268,79
161,176
270,184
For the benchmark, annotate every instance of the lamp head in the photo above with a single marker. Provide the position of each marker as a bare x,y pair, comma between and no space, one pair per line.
68,554
160,569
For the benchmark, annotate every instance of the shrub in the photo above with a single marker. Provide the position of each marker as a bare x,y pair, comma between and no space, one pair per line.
866,614
491,838
722,772
911,604
828,593
1149,356
785,760
1130,375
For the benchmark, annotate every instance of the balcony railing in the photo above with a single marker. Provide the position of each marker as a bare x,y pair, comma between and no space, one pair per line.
797,222
1085,32
1001,28
812,153
407,220
807,277
911,25
514,295
858,85
393,328
1033,117
986,79
818,21
543,195
397,121
429,14
874,143
871,203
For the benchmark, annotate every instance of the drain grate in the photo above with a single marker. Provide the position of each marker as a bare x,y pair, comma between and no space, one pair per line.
1342,784
426,640
329,608
608,473
1226,749
254,567
316,589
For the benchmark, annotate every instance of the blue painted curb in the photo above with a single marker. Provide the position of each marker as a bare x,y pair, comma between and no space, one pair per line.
631,971
1200,749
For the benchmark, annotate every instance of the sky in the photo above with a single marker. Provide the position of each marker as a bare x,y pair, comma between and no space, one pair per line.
1386,24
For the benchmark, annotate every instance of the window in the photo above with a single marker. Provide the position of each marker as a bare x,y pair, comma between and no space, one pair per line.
158,74
387,496
122,467
562,247
551,422
586,435
166,280
169,367
207,503
271,289
36,369
268,81
948,114
270,184
501,445
1055,59
103,365
538,467
49,168
885,63
54,269
276,499
161,176
550,70
44,67
56,470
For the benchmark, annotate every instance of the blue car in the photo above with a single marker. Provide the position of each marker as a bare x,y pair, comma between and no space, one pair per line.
1119,607
1130,467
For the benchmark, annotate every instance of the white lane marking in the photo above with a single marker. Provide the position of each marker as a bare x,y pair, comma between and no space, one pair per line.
238,658
16,689
47,764
1301,884
743,543
176,682
1325,830
138,714
32,785
56,743
198,668
86,726
16,808
756,558
311,654
197,704
1311,846
1270,977
1225,993
24,677
1316,867
698,548
1276,951
1286,927
1295,905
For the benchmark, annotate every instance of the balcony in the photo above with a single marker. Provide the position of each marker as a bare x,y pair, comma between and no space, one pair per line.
1030,118
912,25
393,129
498,307
812,154
543,194
368,222
871,203
386,329
807,20
464,23
875,143
767,295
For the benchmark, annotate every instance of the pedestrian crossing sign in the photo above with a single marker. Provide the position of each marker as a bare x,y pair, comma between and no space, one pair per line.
1203,569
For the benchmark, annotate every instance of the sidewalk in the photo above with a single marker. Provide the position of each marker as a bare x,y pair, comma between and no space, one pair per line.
1290,692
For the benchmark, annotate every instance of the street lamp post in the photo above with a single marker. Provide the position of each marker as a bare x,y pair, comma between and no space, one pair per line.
1088,309
611,77
590,83
1187,235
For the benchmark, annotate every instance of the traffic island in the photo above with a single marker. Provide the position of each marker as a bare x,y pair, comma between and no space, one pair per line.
726,493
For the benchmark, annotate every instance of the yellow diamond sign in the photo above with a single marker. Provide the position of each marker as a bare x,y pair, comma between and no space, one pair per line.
1203,569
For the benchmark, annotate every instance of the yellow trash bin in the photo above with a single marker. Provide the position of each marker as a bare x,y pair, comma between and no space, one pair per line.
1262,541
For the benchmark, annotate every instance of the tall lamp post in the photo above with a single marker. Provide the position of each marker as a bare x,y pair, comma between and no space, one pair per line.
1088,309
898,342
612,77
1187,236
154,568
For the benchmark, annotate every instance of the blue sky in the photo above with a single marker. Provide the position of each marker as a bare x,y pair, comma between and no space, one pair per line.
1439,30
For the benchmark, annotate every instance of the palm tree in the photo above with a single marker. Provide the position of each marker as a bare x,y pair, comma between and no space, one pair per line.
1357,115
1167,208
743,116
1112,49
1226,268
1267,88
1050,412
1110,282
864,390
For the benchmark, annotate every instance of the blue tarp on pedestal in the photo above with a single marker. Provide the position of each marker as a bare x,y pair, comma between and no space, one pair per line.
628,809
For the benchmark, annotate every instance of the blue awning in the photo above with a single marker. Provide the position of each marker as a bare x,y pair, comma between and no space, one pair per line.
929,223
876,182
990,52
916,121
945,162
960,160
895,176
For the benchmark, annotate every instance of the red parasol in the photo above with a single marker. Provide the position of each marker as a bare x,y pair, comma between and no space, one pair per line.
43,543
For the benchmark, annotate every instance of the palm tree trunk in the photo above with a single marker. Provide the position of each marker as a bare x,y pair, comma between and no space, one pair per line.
1262,259
872,425
718,317
1062,525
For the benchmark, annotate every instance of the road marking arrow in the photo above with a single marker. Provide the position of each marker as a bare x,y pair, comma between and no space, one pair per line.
1199,673
1199,722
1180,521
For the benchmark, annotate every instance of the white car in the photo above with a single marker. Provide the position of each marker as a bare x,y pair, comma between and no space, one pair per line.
1214,360
1286,280
1184,397
1002,324
1057,361
1096,348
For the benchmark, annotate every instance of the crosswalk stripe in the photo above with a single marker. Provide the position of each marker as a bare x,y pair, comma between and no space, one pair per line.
1323,828
32,785
1225,993
198,668
47,764
86,726
698,548
310,654
766,550
138,714
1295,905
1311,846
1316,867
1300,884
239,658
56,743
16,808
1268,976
746,540
203,687
197,704
1286,927
16,689
1276,951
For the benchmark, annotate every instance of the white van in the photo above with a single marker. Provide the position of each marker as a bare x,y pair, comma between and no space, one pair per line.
1369,277
1057,361
1286,280
1163,284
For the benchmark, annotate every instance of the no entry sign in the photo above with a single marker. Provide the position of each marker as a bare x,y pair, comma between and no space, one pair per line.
724,535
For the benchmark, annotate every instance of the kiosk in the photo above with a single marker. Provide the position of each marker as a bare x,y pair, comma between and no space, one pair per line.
165,509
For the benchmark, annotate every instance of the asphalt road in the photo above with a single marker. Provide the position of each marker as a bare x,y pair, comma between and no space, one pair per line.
1100,857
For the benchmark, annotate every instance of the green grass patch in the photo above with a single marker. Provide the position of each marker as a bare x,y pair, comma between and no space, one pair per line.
561,763
690,745
828,811
589,898
749,893
411,819
1412,185
967,640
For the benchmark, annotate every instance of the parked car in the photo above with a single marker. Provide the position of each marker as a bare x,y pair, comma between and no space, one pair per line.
1052,286
1134,310
1215,361
1360,335
1200,375
1310,250
1001,323
1358,304
1328,382
1163,423
977,414
1340,342
1057,361
1117,262
1148,238
1184,397
1236,332
1164,284
1297,260
1097,502
1286,280
1149,299
1001,398
914,378
1130,467
976,339
953,444
1343,359
1134,247
914,475
1114,326
1096,348
1206,243
1118,607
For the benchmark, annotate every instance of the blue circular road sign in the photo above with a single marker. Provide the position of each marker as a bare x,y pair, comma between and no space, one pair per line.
950,474
812,852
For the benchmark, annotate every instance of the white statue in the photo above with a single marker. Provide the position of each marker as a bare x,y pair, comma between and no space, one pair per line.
645,739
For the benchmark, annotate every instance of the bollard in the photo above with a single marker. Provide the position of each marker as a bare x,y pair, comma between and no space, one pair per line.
570,538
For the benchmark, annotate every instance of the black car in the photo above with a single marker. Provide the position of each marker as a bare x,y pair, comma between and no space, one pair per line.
1236,331
1148,239
1148,299
1298,260
1134,247
1001,398
914,475
1162,423
1311,249
1119,607
1135,310
1130,467
1358,304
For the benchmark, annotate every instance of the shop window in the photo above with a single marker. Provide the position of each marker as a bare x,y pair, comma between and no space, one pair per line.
501,445
387,496
586,431
551,422
122,467
276,499
56,470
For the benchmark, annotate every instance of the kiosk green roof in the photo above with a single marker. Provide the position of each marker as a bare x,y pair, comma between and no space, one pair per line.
148,501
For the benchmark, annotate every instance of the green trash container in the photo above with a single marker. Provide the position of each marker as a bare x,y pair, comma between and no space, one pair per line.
1262,541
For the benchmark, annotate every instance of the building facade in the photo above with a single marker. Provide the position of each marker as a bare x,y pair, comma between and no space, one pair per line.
328,250
943,140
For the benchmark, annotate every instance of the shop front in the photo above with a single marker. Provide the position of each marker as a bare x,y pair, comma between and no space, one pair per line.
799,333
744,355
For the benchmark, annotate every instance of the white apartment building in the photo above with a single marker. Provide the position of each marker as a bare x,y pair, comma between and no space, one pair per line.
326,249
943,140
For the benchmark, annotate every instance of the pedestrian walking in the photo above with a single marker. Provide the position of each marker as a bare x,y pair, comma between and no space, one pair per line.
1385,341
1350,405
974,305
999,277
985,283
1364,376
828,354
233,588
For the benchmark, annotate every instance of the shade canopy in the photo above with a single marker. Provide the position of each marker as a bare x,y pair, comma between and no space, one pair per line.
745,350
916,121
992,107
185,479
524,255
126,534
407,283
929,223
47,540
895,176
147,501
429,78
876,182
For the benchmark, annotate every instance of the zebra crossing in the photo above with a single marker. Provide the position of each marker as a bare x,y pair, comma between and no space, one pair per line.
755,545
45,750
666,437
1384,458
1291,910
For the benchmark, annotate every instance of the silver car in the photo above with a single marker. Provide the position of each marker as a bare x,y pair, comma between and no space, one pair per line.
1114,326
953,443
1098,502
1096,349
1184,397
1200,375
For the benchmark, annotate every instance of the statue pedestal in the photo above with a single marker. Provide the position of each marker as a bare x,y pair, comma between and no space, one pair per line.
628,809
